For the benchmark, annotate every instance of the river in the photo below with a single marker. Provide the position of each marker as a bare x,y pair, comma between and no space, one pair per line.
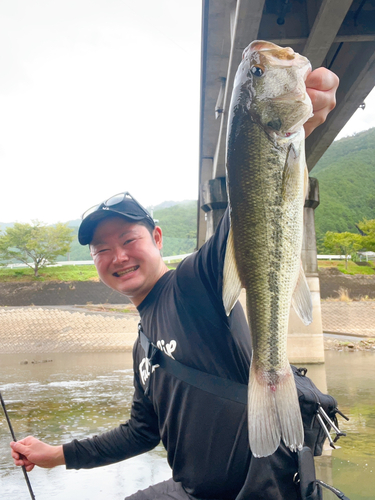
78,395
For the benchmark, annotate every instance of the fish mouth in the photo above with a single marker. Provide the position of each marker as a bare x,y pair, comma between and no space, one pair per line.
123,272
291,97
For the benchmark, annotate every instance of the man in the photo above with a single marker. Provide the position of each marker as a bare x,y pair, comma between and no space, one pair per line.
181,311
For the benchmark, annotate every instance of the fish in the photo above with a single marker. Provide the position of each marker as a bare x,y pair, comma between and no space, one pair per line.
267,181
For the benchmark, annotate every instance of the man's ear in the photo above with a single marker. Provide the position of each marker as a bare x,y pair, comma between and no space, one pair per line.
158,237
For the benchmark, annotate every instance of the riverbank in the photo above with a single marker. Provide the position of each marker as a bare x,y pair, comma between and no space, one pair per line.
32,330
87,316
114,327
336,344
70,293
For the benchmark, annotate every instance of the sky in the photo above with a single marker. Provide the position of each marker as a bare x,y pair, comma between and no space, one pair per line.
362,119
98,97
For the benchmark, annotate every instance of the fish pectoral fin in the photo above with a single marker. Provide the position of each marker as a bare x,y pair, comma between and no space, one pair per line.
231,280
294,162
290,173
301,299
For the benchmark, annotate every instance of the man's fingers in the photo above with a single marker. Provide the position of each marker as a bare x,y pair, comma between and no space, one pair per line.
19,448
322,100
322,79
15,455
321,86
19,454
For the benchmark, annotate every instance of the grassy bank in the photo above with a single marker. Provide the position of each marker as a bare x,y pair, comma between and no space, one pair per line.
353,267
58,273
61,273
87,273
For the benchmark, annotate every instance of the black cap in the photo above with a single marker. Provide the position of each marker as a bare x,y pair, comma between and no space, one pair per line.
127,207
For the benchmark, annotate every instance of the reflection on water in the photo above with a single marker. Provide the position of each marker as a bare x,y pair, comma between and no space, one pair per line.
72,397
350,379
78,395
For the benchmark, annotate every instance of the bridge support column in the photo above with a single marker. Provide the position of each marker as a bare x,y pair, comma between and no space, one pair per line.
214,202
305,343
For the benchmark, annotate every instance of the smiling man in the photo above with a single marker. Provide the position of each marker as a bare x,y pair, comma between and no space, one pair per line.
182,313
125,245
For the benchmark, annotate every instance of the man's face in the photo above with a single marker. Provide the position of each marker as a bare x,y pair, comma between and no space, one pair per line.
127,257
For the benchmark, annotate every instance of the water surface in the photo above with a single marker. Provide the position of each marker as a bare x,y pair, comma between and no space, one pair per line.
73,397
351,468
78,395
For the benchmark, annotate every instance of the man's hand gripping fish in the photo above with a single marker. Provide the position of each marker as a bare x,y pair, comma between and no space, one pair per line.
267,181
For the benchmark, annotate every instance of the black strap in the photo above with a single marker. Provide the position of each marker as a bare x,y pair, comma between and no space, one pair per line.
233,391
337,492
218,386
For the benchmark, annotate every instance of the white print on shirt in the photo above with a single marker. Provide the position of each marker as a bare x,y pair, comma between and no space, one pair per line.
167,348
144,365
144,369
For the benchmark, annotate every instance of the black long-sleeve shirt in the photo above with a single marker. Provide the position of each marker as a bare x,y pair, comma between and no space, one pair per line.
205,436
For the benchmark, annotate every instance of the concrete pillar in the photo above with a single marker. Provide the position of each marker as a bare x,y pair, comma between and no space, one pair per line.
206,175
305,343
214,202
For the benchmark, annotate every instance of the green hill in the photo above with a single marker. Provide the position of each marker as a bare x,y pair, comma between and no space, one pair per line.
178,221
179,225
346,175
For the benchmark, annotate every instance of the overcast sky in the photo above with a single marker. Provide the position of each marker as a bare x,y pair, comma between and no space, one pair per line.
99,97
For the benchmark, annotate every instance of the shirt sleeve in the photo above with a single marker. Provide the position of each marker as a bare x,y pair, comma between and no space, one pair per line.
213,252
138,435
206,266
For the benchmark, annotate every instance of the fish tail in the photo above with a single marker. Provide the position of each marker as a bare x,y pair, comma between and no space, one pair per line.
274,414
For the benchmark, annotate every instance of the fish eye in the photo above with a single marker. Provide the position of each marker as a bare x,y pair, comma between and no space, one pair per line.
257,71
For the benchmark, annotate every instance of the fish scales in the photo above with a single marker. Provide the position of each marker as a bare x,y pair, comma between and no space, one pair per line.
266,181
269,236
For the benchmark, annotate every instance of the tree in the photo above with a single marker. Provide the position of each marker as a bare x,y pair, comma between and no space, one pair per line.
343,243
36,244
368,227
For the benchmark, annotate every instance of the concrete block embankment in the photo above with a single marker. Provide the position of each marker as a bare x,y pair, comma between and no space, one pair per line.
353,318
39,330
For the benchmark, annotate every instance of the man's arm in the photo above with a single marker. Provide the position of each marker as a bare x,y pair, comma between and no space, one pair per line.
138,435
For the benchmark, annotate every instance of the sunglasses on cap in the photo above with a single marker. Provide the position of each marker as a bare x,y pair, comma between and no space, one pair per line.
115,202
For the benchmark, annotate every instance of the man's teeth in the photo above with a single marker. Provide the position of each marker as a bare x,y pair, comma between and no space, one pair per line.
121,273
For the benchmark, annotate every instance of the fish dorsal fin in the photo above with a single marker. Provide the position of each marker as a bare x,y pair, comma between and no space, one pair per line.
231,280
301,300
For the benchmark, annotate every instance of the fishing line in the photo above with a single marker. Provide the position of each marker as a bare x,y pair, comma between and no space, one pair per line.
14,439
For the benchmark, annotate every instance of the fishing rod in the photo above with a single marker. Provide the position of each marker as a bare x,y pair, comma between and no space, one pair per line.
14,439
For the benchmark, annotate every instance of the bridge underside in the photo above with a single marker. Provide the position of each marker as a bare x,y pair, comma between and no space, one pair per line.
336,34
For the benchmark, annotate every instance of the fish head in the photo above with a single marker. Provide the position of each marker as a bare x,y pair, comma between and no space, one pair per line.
273,79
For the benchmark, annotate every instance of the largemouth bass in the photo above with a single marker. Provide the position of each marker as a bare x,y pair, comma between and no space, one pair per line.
267,180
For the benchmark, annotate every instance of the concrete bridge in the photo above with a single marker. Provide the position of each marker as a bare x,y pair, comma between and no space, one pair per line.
337,34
